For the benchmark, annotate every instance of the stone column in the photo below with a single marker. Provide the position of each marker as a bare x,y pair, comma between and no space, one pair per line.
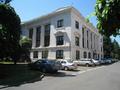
34,38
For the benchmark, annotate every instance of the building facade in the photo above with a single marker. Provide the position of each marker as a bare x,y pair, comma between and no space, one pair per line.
63,34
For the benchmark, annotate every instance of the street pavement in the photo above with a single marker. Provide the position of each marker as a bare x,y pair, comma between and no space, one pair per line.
97,78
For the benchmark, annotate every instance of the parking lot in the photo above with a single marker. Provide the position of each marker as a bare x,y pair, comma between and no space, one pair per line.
70,73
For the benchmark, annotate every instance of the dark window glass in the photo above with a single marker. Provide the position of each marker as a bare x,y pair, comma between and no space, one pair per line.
35,54
87,40
47,35
91,40
47,41
30,33
101,49
47,29
85,55
77,55
45,54
77,24
83,37
89,55
77,41
59,40
38,32
94,41
60,23
59,54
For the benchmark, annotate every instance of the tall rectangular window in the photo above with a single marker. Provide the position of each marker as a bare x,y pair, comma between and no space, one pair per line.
38,34
91,40
83,37
30,33
35,54
94,40
45,54
87,40
59,40
76,24
59,54
47,35
60,23
77,55
89,55
77,41
85,54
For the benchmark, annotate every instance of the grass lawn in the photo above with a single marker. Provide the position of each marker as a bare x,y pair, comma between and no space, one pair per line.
6,62
15,75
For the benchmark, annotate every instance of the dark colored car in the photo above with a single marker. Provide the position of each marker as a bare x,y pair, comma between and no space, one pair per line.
46,65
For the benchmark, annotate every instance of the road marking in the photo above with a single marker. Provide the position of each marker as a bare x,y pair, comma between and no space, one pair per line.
81,72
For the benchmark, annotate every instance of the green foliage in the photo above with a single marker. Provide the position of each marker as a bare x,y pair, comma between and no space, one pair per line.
25,44
9,32
108,16
107,44
111,49
116,49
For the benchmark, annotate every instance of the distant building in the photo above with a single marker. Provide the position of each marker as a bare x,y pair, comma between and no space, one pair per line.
63,34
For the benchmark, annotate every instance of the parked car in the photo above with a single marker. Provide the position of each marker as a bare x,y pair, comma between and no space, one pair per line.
68,65
46,65
114,60
96,61
87,62
102,61
108,61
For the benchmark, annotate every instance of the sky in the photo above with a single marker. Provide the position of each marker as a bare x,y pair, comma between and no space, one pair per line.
30,9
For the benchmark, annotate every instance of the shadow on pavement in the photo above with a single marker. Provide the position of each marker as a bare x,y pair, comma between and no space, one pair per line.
63,73
60,74
16,75
76,70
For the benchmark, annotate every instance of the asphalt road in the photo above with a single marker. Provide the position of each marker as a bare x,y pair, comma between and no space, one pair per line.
99,78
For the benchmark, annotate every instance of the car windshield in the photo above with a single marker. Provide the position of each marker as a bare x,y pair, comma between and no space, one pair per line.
97,59
70,61
51,61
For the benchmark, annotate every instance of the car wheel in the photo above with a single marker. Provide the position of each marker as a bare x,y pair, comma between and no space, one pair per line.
94,65
65,68
87,65
43,70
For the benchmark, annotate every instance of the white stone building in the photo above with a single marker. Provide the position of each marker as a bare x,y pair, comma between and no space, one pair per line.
63,34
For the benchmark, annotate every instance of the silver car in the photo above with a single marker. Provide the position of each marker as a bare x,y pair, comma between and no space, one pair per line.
68,65
87,62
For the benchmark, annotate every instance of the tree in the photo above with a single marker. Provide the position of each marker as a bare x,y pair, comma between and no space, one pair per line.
115,51
111,48
25,44
108,16
9,32
107,46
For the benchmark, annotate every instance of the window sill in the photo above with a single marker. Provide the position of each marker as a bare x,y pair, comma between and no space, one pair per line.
60,28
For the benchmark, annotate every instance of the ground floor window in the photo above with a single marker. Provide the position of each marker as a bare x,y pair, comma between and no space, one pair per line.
35,54
89,55
59,54
45,54
98,56
77,55
85,55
